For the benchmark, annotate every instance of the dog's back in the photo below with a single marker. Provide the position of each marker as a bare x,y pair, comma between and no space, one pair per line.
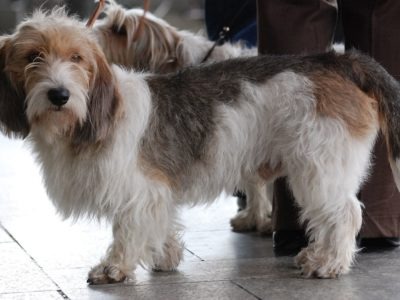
250,111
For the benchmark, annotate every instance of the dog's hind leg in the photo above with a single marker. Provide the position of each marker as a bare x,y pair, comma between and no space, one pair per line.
332,232
325,186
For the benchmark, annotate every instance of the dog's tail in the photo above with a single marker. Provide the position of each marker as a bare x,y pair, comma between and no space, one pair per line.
375,81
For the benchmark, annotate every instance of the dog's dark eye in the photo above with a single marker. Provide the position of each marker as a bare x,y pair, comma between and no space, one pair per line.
76,58
118,30
33,56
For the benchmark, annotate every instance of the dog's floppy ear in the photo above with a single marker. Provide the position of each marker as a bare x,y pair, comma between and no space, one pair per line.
103,105
152,45
13,121
162,44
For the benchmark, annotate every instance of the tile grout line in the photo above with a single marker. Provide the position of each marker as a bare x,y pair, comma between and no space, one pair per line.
246,290
37,292
59,290
194,254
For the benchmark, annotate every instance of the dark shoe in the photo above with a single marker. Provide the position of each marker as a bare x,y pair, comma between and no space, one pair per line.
288,242
241,199
378,244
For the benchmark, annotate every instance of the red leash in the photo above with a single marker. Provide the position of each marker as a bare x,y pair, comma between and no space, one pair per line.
96,13
100,7
146,5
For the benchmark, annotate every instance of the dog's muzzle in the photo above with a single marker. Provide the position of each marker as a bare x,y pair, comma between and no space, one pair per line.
58,96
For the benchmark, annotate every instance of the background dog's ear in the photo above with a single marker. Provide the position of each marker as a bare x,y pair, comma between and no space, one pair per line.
103,106
13,121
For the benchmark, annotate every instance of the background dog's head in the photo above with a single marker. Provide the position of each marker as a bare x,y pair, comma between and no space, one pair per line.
154,47
56,81
149,43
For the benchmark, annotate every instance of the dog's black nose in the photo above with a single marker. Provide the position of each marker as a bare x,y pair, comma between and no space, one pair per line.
58,96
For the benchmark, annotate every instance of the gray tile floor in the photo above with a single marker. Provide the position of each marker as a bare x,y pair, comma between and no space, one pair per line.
43,257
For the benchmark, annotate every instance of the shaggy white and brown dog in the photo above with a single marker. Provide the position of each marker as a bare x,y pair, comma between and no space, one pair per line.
133,147
159,47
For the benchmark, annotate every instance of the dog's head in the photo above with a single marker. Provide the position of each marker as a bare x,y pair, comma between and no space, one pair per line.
130,40
55,81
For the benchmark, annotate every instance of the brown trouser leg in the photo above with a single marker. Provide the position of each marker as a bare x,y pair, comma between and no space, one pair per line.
295,26
290,27
306,26
373,26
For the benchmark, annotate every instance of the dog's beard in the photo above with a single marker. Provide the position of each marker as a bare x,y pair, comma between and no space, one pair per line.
53,121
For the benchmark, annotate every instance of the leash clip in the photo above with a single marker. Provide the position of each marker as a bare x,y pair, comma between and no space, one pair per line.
223,35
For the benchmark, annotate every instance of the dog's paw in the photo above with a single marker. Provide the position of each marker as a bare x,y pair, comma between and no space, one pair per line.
264,226
106,274
164,267
173,255
318,265
243,221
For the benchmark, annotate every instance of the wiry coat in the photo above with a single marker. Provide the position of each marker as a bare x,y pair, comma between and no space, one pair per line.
134,147
145,42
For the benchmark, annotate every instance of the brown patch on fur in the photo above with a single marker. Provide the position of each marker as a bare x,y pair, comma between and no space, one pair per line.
104,106
155,173
61,123
339,98
266,172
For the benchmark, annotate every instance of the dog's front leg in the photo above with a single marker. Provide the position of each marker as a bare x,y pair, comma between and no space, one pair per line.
121,258
153,239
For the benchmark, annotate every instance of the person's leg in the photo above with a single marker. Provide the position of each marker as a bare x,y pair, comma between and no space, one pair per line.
292,27
288,236
238,15
373,26
381,201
